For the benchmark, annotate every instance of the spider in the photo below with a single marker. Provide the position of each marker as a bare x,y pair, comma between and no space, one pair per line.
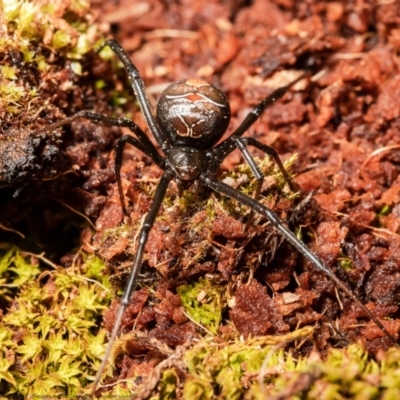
191,117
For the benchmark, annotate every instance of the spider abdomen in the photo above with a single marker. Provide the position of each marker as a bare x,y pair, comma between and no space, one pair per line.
193,112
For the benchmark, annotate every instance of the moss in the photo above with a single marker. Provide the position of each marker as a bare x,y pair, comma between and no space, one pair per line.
169,383
37,41
204,302
50,343
232,370
385,210
345,262
29,21
29,30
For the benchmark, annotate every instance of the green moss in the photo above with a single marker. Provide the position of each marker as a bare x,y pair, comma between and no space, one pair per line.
345,262
29,21
204,302
8,72
232,371
168,386
11,95
217,367
50,343
60,39
14,271
385,210
31,29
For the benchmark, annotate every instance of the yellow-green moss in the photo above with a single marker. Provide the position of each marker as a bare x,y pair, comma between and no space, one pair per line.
50,341
34,30
204,302
232,371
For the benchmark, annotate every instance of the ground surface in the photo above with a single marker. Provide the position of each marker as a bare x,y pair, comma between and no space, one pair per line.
343,124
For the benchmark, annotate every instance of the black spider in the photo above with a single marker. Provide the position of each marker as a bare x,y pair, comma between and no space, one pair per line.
191,118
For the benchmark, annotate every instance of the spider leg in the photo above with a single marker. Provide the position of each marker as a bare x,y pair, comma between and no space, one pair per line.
264,103
226,147
139,90
221,187
137,263
146,146
143,143
122,141
247,141
241,143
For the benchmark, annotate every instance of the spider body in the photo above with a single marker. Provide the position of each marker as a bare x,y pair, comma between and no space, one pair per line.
191,117
187,163
194,116
193,113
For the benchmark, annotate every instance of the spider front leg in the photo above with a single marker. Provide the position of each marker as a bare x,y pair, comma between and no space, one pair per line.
137,263
220,152
273,218
241,145
122,141
139,90
144,144
233,142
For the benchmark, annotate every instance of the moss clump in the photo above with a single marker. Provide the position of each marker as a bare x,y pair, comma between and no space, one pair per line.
204,302
258,369
50,343
232,368
29,29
